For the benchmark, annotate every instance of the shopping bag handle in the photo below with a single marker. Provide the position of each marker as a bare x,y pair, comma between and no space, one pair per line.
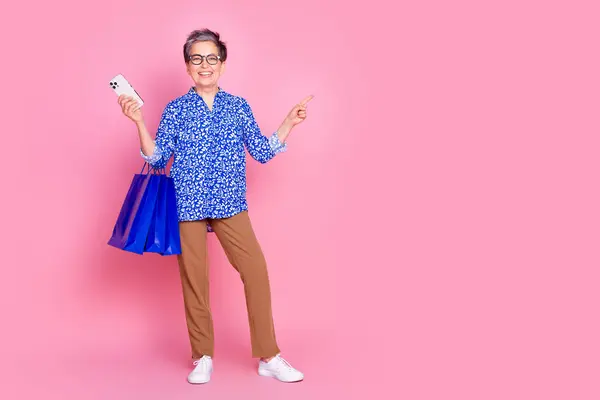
151,169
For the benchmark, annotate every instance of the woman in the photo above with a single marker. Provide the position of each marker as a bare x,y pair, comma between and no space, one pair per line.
206,131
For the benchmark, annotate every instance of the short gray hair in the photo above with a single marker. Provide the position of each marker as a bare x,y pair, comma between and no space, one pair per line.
204,35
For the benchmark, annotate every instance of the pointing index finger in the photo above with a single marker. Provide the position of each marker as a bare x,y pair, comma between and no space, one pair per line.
306,100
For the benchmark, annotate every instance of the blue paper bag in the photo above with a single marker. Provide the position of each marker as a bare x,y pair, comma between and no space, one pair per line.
156,238
131,229
172,239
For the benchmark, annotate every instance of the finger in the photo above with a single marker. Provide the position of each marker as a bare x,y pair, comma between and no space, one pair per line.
134,108
299,108
130,107
125,102
132,102
306,100
123,98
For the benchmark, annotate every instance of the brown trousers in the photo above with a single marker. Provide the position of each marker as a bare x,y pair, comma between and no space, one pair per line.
243,252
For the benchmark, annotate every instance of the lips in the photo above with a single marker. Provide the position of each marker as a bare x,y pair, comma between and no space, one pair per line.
205,74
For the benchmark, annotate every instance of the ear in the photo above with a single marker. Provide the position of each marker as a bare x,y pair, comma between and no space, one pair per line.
223,67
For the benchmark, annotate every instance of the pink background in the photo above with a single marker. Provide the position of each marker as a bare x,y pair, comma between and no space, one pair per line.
432,232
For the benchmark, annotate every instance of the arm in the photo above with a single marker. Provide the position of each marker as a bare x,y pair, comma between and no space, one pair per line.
158,152
261,148
147,144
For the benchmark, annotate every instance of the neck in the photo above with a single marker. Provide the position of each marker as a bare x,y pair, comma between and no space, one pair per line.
207,92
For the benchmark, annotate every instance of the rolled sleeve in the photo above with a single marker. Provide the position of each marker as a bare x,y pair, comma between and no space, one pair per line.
154,158
276,144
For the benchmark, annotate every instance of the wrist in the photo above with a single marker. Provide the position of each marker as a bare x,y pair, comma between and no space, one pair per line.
284,130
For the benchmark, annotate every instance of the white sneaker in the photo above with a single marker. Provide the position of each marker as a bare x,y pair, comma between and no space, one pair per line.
201,374
280,369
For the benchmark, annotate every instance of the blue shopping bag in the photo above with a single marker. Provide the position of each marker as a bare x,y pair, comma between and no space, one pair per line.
156,238
172,239
132,225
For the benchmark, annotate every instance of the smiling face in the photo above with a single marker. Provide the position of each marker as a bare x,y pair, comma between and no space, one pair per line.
205,75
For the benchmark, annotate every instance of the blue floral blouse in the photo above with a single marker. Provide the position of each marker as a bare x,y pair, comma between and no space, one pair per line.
209,161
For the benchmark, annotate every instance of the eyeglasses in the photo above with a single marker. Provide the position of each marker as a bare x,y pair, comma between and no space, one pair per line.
197,59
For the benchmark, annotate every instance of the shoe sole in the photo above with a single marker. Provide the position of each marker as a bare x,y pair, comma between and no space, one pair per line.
199,382
270,375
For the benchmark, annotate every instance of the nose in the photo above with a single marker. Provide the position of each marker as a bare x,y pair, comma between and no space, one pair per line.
204,62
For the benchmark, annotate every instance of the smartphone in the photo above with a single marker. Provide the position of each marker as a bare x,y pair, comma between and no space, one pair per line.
121,86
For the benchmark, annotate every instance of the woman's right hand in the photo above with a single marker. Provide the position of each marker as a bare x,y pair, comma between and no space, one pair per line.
130,108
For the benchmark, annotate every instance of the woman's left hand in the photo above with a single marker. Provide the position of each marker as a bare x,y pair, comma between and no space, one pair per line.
298,113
